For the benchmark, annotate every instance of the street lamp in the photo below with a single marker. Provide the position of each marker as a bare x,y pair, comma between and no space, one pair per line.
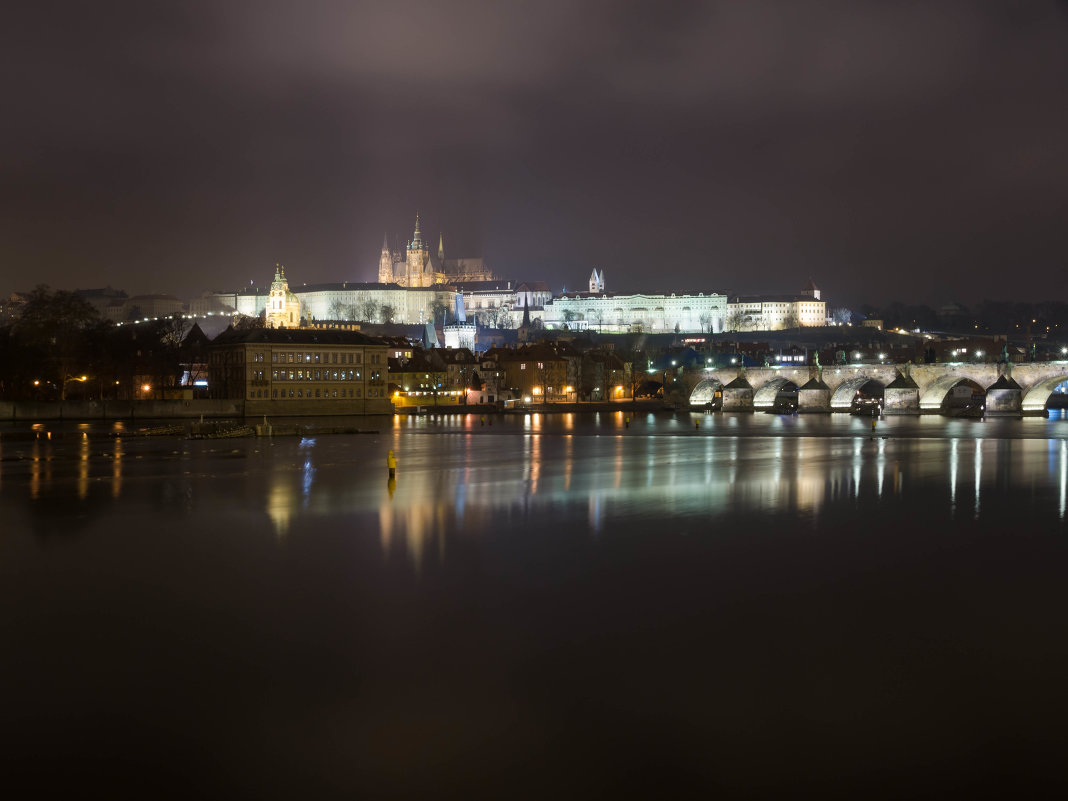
81,379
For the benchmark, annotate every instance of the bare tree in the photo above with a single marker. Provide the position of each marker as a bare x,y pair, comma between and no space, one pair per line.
736,320
438,310
386,313
496,317
367,310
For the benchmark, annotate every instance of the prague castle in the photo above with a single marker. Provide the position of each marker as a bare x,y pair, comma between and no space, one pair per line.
417,267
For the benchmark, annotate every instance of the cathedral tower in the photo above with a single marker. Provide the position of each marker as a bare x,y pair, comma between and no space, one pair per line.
418,256
385,264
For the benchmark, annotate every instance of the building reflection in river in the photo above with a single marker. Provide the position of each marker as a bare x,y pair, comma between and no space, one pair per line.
468,483
1064,475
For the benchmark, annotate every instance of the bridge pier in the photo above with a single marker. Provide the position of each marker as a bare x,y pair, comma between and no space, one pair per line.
901,396
1004,398
738,396
814,396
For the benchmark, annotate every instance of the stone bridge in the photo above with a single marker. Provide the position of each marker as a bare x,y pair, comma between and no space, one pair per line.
1010,389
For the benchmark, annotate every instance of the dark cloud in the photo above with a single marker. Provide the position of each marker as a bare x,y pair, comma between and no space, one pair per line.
886,149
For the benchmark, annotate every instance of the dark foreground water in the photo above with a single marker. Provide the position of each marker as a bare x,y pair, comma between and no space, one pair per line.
544,607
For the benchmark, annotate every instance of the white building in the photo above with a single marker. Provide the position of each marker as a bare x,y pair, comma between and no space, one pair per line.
615,312
370,302
777,312
485,300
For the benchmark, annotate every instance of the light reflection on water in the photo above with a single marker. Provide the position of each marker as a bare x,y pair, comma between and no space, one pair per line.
533,580
462,475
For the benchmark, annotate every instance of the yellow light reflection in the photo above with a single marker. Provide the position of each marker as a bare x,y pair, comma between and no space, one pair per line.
83,468
116,469
282,502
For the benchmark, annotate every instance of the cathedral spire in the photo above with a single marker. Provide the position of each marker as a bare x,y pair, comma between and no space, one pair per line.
385,243
441,247
417,237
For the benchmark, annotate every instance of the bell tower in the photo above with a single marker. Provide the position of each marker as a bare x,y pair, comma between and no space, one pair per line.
385,264
418,255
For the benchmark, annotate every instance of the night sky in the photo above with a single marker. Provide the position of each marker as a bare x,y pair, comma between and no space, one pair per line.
911,150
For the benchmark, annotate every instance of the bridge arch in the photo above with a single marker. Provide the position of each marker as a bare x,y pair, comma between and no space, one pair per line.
1037,397
937,392
764,398
705,392
842,399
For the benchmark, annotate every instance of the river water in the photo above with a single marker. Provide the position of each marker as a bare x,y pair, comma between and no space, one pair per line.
563,605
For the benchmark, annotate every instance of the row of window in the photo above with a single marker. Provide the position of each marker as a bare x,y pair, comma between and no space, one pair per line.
317,358
315,375
327,394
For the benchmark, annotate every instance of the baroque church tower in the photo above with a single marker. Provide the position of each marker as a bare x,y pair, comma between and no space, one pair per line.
283,307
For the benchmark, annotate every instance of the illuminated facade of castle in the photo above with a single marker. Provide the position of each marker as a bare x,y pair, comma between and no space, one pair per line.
417,267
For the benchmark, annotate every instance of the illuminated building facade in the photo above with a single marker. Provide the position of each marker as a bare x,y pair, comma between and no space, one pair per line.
621,313
417,267
300,371
283,307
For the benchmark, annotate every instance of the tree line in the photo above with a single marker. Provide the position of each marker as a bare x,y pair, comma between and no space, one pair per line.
59,348
988,317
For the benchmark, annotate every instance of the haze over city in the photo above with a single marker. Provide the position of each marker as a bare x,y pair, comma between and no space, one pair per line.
888,150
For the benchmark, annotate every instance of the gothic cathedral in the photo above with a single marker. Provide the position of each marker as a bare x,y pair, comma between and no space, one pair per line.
418,268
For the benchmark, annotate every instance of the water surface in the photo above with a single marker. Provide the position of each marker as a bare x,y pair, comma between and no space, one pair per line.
554,605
